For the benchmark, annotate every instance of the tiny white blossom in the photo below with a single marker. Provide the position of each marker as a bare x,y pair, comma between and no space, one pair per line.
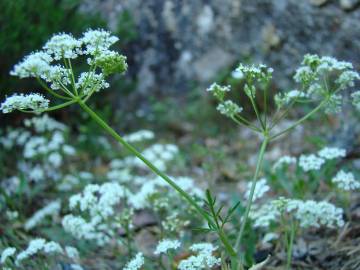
52,208
34,102
6,253
165,245
136,263
260,189
72,252
91,82
310,162
346,181
139,136
229,108
63,46
332,153
97,40
33,65
284,160
203,260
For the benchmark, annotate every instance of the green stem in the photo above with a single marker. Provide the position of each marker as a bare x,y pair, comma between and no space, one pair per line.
243,121
60,106
72,77
182,193
51,91
300,120
290,245
252,190
256,111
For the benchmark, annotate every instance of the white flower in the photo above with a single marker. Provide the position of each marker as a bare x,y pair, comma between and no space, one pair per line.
203,260
33,65
34,247
136,263
310,162
332,153
284,160
63,46
219,91
347,78
55,159
51,209
346,181
72,252
229,108
165,245
44,123
91,82
288,97
260,189
334,104
139,136
58,76
97,40
76,267
258,72
34,102
52,247
7,252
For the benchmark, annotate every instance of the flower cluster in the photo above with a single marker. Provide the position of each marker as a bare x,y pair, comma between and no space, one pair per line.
314,75
33,102
356,99
346,181
284,160
260,189
97,202
39,246
139,136
308,213
251,73
229,108
165,245
310,162
332,153
52,209
52,68
204,259
136,263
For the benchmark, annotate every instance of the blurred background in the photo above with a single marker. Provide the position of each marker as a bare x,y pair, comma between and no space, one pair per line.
175,48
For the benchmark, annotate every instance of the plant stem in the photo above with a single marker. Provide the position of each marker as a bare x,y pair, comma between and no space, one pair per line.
252,191
300,120
181,192
290,246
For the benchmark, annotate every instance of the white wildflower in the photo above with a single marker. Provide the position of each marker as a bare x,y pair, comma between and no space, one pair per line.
72,252
136,263
34,102
284,160
334,104
34,247
55,159
288,97
44,123
51,209
310,162
33,65
229,108
346,181
260,189
6,253
57,76
203,260
76,267
347,78
52,247
219,91
91,82
139,136
97,40
255,72
332,153
165,245
63,46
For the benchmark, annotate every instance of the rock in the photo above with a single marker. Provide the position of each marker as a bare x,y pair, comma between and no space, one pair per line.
270,36
210,63
349,5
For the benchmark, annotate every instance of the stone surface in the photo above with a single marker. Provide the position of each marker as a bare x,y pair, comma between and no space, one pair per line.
182,42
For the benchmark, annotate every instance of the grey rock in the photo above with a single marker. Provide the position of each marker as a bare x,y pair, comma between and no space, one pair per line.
349,5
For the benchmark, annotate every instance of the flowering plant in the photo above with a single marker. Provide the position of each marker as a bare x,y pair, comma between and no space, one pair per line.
321,81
